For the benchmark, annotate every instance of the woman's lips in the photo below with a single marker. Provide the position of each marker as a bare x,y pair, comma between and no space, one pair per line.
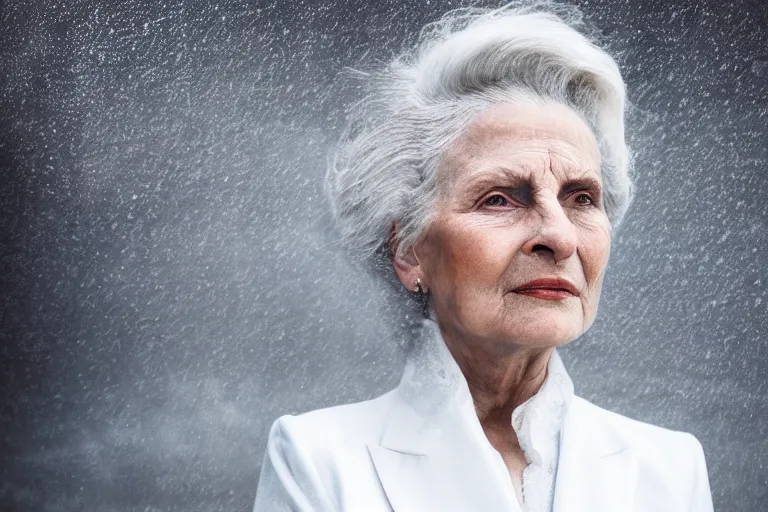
545,293
549,288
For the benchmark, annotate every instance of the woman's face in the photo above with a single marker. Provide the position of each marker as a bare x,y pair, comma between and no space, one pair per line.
519,200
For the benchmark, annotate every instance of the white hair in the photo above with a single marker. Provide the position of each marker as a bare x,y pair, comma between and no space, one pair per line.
384,167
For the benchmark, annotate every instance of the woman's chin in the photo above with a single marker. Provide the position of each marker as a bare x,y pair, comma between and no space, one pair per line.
542,334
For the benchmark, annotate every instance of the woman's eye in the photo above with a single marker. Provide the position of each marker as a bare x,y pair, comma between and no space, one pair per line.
589,199
496,200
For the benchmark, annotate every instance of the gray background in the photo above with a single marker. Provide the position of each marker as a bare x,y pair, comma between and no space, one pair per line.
170,284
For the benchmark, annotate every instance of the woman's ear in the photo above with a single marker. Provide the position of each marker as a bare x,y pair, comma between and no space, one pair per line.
407,266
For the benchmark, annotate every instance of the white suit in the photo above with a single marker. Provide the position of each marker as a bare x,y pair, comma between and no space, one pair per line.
421,448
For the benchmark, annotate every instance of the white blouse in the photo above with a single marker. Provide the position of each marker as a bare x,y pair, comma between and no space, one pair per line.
538,423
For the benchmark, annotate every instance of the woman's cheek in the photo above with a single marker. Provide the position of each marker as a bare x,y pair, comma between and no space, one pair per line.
595,262
480,244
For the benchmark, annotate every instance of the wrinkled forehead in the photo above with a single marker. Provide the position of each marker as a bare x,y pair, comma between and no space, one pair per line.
550,139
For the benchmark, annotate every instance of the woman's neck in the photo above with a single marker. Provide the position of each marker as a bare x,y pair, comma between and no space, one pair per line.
500,382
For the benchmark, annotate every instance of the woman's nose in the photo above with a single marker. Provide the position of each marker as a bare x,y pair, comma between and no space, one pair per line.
552,232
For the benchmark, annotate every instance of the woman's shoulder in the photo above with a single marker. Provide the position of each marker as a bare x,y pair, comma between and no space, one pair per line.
319,459
326,427
657,448
669,465
631,430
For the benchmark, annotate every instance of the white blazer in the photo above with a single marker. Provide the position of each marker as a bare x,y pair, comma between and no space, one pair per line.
420,448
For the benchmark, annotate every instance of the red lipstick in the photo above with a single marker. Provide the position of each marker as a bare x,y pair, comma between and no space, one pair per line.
548,289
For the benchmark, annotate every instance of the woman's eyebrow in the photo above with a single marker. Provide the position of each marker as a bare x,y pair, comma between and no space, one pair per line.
507,178
504,177
582,183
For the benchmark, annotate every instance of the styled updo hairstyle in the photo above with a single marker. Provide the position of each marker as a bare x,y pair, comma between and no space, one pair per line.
384,166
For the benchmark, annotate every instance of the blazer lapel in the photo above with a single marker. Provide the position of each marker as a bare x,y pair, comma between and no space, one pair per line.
434,462
433,453
596,472
437,463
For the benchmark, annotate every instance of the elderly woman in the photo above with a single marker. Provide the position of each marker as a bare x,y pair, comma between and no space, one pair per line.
485,173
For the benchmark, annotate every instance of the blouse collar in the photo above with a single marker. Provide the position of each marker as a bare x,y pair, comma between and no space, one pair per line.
431,364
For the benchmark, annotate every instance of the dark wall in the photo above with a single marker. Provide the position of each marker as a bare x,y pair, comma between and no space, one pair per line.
170,284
